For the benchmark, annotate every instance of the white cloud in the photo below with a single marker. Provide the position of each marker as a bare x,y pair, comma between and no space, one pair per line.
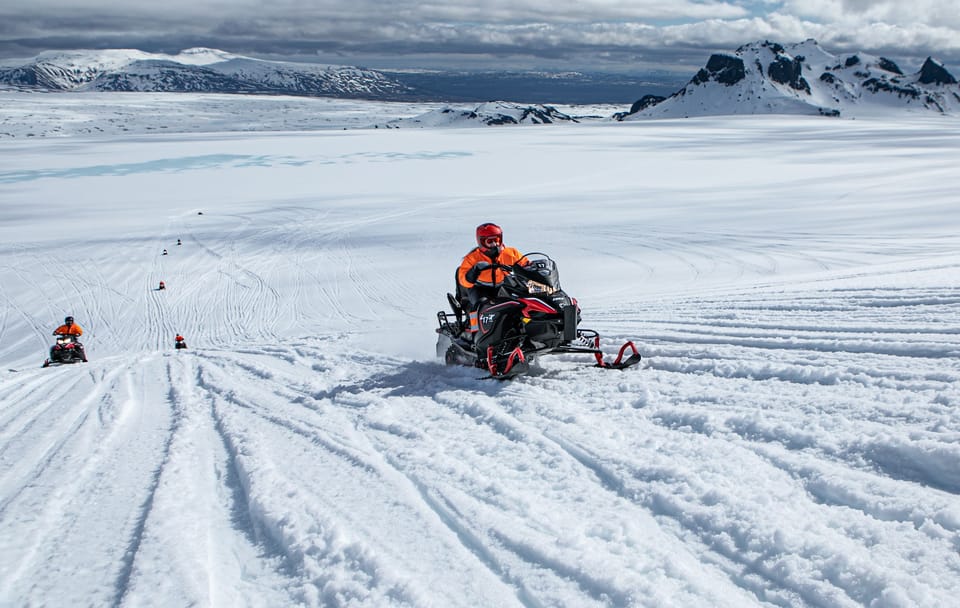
580,30
489,11
899,13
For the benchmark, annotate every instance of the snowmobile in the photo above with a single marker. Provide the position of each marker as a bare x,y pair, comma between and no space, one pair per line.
66,350
527,315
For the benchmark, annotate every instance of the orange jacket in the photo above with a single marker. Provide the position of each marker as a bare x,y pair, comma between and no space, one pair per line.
508,256
68,330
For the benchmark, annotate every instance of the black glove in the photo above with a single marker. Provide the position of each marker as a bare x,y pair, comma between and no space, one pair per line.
474,273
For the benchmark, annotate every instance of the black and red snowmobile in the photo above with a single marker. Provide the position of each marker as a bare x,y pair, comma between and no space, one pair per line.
66,350
524,316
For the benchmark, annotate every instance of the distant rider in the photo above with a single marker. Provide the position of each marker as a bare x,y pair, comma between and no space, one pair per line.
69,328
478,274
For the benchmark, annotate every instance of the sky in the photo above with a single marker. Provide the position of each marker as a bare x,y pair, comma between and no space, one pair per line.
601,35
790,440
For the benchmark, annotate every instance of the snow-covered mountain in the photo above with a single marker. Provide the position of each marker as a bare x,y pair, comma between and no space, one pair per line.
196,70
493,113
770,78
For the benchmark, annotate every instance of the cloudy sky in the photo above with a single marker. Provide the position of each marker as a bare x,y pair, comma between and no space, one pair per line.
608,35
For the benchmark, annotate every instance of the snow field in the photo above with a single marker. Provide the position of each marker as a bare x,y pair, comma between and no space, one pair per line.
791,440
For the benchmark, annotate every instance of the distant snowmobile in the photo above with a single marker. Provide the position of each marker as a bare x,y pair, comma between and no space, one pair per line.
179,342
530,316
66,350
162,285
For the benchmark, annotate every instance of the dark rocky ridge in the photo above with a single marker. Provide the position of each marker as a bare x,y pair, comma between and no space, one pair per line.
768,77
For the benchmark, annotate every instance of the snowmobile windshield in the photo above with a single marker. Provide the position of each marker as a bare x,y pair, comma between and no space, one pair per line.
541,273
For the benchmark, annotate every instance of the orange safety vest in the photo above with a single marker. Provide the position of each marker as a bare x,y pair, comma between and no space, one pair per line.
508,257
68,330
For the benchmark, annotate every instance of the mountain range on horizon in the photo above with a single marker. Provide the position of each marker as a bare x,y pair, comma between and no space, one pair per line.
758,78
196,70
771,78
215,71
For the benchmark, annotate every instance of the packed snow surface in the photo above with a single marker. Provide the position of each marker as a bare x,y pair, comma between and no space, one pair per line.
791,439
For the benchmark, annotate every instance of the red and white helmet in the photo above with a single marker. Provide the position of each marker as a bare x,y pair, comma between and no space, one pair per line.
489,236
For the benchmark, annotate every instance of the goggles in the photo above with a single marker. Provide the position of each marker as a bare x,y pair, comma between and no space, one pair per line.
490,242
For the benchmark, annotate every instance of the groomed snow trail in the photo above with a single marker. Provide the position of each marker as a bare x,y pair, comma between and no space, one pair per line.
792,438
307,472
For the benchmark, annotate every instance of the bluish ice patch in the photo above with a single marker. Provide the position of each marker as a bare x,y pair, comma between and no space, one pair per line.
394,156
418,155
162,165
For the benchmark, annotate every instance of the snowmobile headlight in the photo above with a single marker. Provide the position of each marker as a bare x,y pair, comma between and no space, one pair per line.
536,287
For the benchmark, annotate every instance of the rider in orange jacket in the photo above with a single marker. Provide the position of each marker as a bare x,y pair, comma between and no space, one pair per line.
478,273
69,328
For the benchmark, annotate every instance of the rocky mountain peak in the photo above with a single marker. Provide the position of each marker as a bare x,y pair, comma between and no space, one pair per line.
724,69
767,77
933,72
